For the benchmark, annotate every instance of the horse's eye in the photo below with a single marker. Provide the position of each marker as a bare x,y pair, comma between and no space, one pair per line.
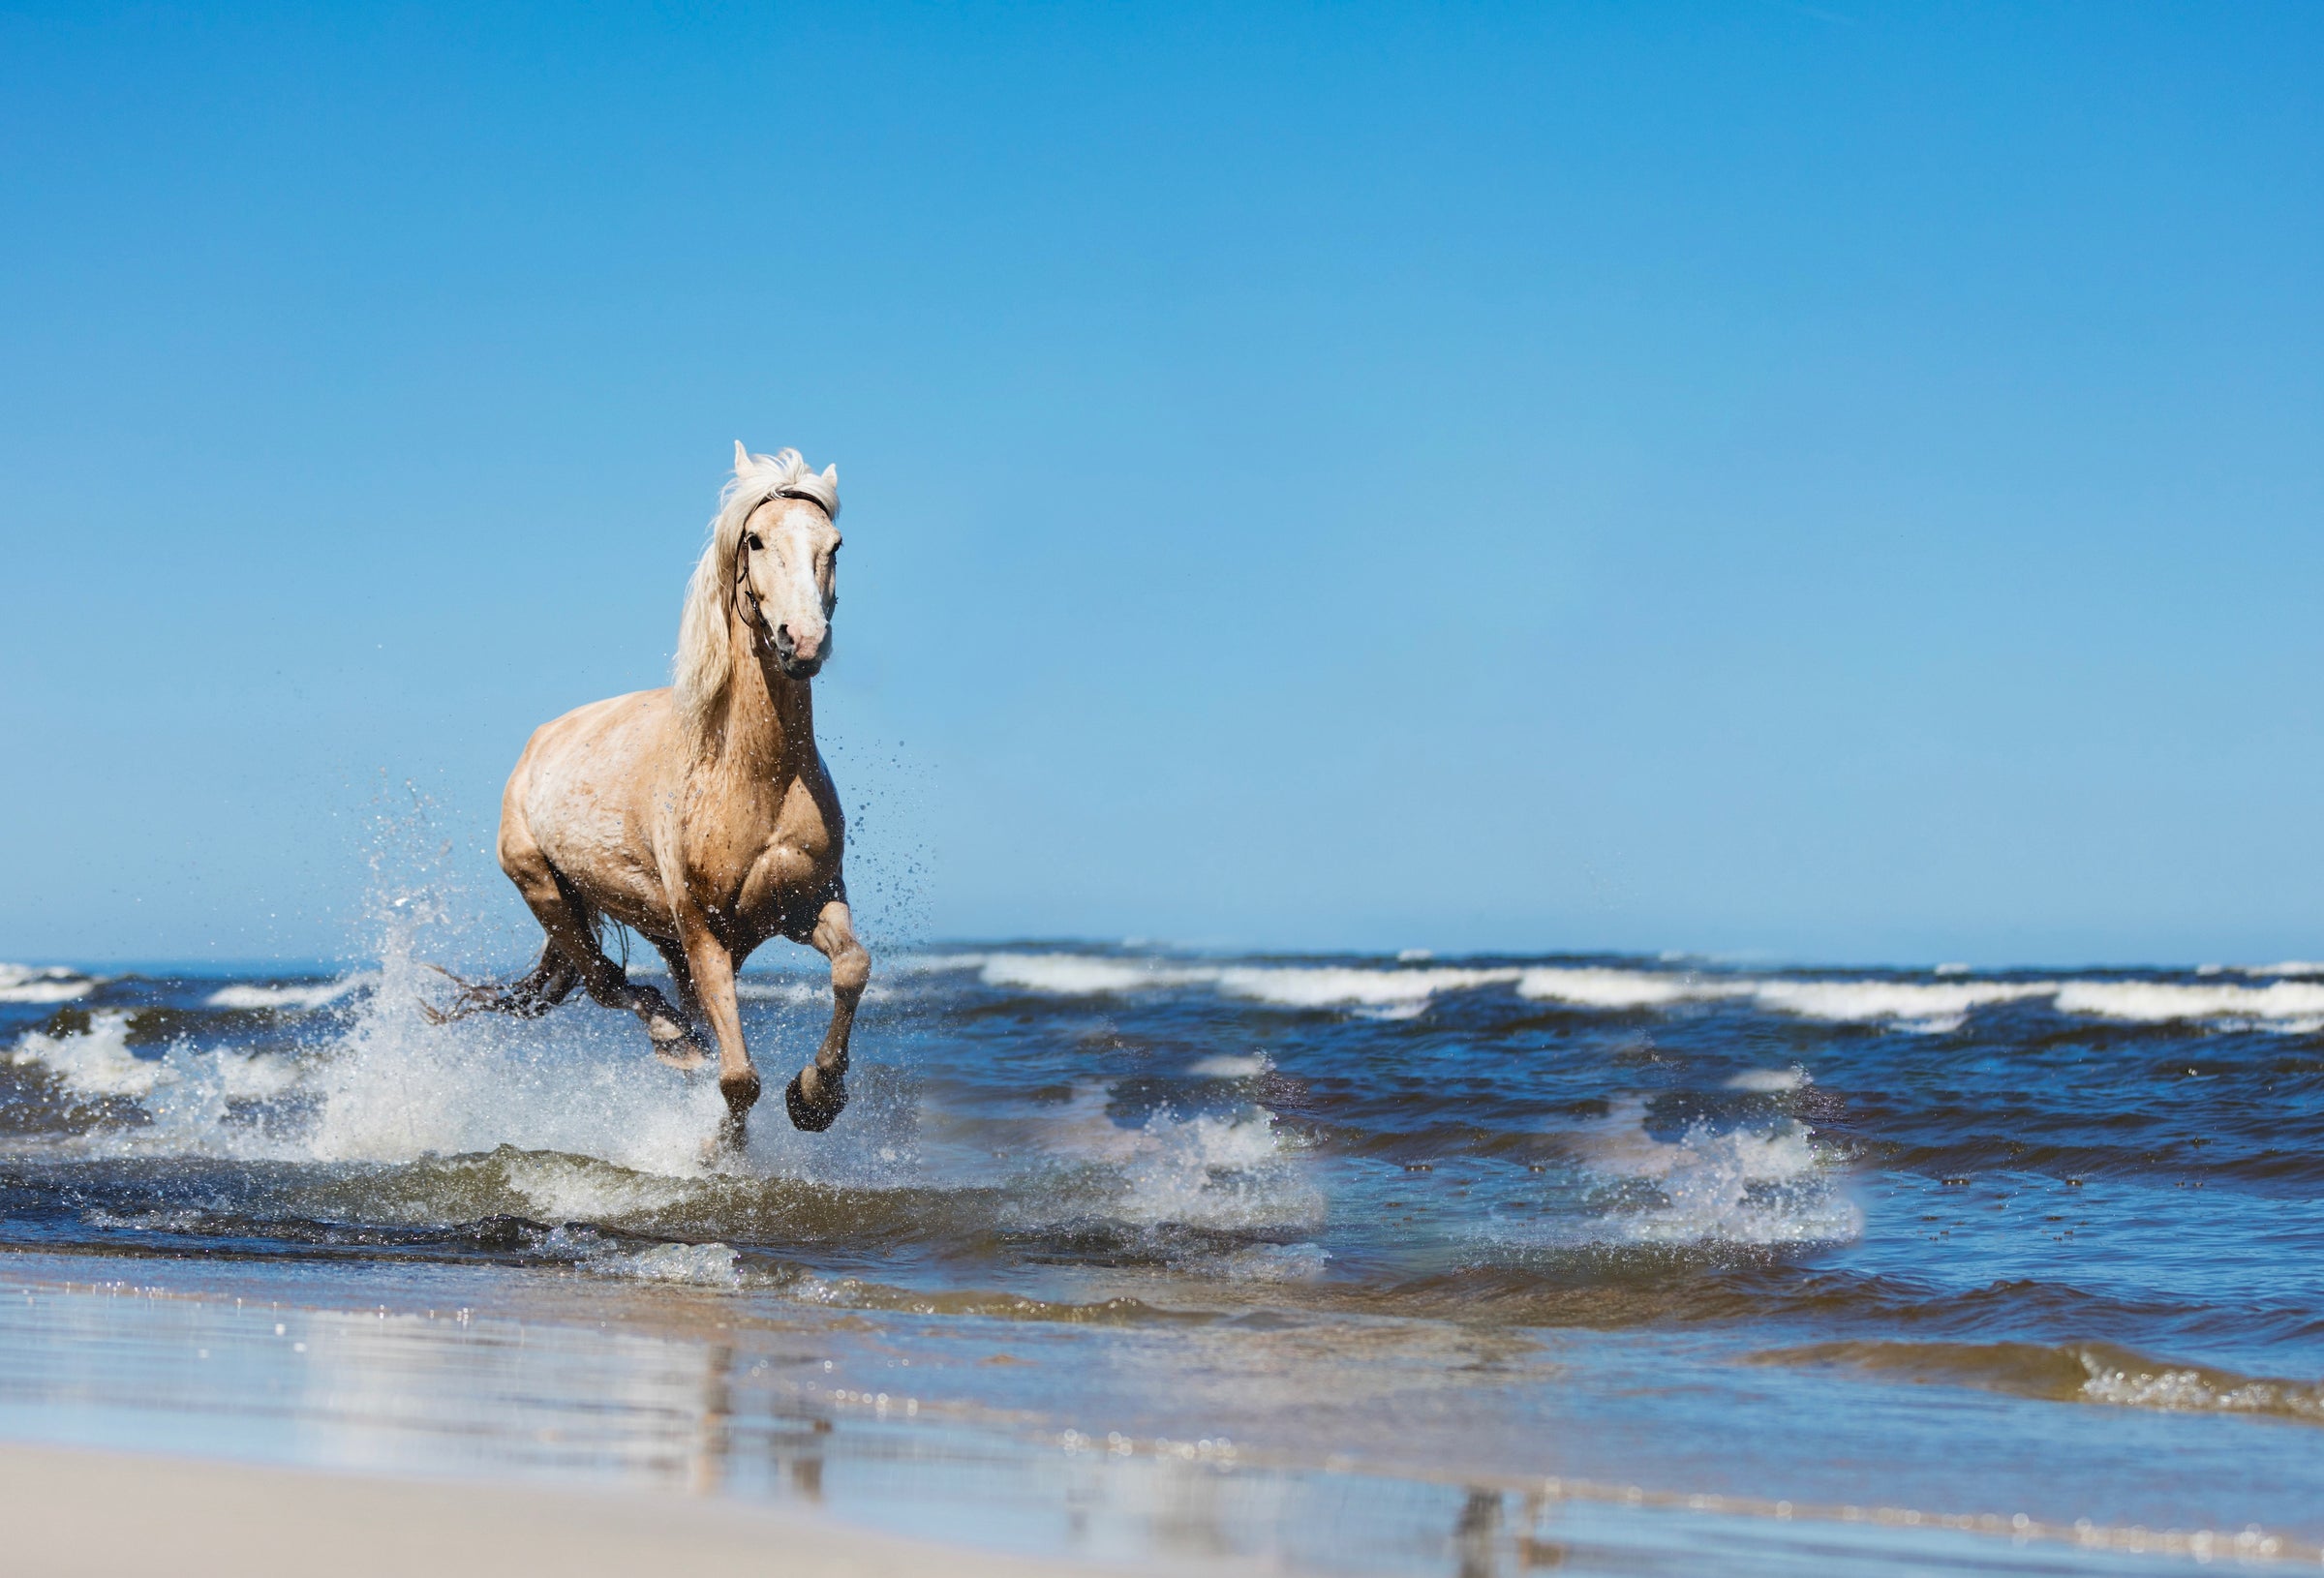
752,543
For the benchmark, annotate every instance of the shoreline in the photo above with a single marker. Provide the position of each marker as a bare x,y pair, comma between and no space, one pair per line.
305,1425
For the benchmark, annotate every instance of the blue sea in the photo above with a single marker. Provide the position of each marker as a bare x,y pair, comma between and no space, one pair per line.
1334,1263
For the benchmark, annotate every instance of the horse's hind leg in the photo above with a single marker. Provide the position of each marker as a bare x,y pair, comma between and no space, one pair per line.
550,982
543,986
682,977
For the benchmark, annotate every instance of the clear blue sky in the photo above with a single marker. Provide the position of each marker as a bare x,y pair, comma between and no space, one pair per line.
1829,480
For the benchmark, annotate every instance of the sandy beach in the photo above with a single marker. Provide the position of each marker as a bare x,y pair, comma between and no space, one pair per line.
74,1512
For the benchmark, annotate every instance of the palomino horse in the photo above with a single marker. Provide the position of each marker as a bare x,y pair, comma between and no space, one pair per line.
701,817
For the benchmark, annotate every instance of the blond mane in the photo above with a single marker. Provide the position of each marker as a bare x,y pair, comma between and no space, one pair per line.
704,666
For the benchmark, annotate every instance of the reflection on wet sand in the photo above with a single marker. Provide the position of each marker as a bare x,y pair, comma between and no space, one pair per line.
1476,1535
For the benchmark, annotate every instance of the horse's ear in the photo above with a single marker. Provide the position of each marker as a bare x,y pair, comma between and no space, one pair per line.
831,475
742,458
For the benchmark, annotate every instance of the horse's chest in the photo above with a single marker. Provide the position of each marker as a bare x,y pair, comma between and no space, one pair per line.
788,854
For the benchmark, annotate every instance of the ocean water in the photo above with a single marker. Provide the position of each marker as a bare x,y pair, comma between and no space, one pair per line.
1398,1263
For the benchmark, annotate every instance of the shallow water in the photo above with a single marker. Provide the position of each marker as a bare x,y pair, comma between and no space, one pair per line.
1959,1245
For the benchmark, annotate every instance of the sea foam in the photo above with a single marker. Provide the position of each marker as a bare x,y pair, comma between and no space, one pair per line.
2285,1004
95,1062
291,997
1385,990
1233,1171
1610,988
1744,1186
1078,975
41,984
1913,1005
1351,987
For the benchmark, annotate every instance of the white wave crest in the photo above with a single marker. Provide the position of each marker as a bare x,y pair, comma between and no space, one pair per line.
1739,1186
797,992
181,1089
1597,988
1081,975
1216,1172
41,984
2290,1002
699,1265
1770,1081
93,1062
1351,986
1209,1170
297,998
1387,991
933,963
1226,1067
572,1189
2285,1005
1913,1005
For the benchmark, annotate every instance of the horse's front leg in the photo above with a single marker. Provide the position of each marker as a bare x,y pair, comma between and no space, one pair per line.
712,966
816,1096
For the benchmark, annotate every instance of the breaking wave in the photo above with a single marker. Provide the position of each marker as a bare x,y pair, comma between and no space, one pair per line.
1343,986
1753,1185
1083,975
95,1062
2288,1003
1235,1172
1620,989
295,997
1939,1006
40,984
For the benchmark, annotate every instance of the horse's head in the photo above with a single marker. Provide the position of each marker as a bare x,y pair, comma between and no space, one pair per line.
786,558
766,581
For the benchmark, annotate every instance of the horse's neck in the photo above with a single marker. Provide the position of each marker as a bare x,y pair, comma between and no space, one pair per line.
770,731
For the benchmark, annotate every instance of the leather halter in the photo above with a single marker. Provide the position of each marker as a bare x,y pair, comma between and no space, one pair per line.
760,631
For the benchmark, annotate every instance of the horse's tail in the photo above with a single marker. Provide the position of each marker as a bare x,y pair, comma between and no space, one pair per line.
529,996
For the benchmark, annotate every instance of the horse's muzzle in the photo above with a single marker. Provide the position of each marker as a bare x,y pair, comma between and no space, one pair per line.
787,658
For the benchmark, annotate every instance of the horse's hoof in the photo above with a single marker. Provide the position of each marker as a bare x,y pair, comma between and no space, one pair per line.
729,1143
685,1057
675,1045
814,1117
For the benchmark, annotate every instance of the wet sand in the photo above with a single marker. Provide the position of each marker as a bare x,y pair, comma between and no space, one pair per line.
72,1512
253,1418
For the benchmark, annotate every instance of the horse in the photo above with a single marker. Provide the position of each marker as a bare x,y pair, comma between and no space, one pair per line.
700,815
